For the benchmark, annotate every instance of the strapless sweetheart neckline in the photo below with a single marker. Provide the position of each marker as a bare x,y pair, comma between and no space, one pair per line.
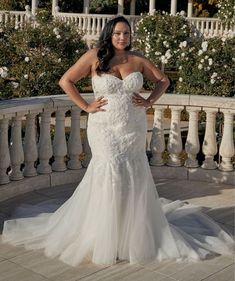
115,77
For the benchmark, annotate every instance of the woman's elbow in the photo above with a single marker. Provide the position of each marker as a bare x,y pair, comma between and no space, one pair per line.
165,80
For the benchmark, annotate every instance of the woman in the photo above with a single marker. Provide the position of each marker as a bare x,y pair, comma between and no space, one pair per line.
115,212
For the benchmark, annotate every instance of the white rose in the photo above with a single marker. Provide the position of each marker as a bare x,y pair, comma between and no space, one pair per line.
26,76
200,66
204,45
58,36
200,52
210,61
26,59
59,60
181,79
14,85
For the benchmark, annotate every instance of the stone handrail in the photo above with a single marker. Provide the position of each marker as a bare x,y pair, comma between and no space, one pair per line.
92,24
26,152
18,18
211,27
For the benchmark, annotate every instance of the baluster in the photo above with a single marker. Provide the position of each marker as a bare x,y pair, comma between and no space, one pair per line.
80,23
174,145
74,143
93,28
216,32
4,151
227,146
16,148
30,146
84,25
88,26
59,142
209,146
98,28
44,145
192,145
103,23
157,143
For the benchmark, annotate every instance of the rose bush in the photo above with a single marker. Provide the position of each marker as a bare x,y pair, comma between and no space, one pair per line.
200,66
33,59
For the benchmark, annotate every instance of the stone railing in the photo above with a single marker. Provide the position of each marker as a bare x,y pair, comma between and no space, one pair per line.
211,27
17,18
92,24
33,157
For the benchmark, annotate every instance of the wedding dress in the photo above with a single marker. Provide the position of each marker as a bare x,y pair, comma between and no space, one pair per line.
115,212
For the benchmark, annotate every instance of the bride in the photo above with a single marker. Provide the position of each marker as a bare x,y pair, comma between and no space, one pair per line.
115,212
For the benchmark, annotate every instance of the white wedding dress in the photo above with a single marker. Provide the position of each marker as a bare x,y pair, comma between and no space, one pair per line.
115,212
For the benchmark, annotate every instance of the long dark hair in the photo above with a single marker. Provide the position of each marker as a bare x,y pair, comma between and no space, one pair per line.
105,46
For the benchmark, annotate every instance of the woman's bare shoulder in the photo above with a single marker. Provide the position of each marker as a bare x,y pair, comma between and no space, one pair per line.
136,54
91,53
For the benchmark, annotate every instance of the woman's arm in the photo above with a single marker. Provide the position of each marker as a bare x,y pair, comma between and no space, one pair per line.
80,69
152,73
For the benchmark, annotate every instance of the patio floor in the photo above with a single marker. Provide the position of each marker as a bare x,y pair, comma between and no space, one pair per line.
18,264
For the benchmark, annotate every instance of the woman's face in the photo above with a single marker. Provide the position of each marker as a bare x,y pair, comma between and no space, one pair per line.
121,36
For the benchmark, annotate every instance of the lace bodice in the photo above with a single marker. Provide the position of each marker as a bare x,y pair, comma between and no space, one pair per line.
107,84
119,131
118,92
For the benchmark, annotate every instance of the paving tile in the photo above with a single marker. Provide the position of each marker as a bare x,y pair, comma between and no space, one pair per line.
7,251
168,268
59,191
12,272
8,206
54,269
126,272
203,269
227,274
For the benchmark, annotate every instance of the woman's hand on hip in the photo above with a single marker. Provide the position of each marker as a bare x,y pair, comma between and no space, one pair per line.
138,100
96,105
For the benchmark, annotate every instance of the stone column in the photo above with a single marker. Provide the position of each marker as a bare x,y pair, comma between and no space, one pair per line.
132,9
59,142
86,7
190,9
192,145
16,149
120,7
54,5
4,151
157,143
173,7
30,146
34,7
152,6
174,145
44,145
227,145
74,143
209,146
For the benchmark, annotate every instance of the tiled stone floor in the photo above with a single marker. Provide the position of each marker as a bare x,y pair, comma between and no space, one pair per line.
218,201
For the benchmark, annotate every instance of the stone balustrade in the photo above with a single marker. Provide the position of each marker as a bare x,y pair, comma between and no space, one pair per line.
91,25
35,150
16,18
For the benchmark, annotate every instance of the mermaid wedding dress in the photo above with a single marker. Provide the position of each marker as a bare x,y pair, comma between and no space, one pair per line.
115,212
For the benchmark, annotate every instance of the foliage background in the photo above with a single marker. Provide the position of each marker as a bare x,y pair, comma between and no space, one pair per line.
200,66
32,60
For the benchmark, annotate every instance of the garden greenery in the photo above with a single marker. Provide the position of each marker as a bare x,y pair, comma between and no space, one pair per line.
203,66
33,59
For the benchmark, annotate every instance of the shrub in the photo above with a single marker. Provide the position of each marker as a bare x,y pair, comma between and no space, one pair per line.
200,66
33,59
